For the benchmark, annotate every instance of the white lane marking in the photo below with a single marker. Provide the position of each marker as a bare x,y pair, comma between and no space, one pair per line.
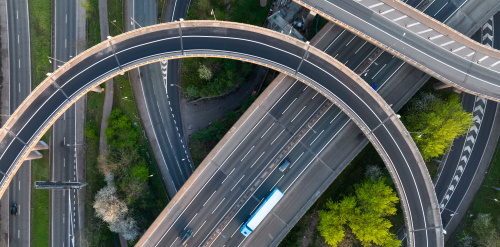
19,185
289,105
379,71
274,186
247,153
387,11
237,182
316,137
298,114
209,198
375,5
267,130
441,8
190,221
18,38
237,229
227,176
277,136
218,205
360,47
297,159
256,160
353,37
399,18
200,227
315,95
447,43
19,63
17,14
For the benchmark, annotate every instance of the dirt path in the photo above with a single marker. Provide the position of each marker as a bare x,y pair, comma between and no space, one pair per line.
309,233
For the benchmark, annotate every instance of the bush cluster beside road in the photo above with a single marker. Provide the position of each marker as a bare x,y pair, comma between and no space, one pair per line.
211,77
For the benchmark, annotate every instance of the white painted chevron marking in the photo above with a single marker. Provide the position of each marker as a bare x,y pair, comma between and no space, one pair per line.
464,158
447,197
473,128
452,187
487,25
468,148
461,169
480,99
477,119
487,36
456,178
471,138
441,206
479,108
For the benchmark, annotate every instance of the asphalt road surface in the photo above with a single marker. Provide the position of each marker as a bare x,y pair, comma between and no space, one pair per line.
379,123
63,203
162,101
20,87
469,75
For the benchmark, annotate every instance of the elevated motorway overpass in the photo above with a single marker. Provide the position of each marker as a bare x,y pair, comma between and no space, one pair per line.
419,40
238,41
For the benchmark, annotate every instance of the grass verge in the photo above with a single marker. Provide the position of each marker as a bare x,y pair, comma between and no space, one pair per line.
40,38
40,170
40,35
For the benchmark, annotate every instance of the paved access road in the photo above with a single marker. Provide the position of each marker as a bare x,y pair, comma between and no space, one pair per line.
64,215
20,88
473,70
162,104
356,98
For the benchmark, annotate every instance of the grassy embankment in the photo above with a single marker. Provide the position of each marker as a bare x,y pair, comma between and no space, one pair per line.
40,35
97,232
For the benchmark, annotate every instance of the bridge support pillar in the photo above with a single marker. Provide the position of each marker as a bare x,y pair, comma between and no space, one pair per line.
441,85
96,89
309,19
34,155
41,145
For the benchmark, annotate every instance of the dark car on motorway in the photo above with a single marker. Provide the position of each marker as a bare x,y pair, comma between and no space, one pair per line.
13,209
186,237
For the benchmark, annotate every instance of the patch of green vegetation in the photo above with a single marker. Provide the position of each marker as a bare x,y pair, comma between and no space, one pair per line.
162,4
115,17
242,11
344,185
96,232
204,140
92,15
211,77
40,170
40,35
486,202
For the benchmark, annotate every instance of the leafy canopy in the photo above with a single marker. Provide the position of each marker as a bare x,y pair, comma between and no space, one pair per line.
363,213
437,123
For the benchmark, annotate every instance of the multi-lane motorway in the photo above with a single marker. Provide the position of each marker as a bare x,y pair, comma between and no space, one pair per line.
201,39
20,87
448,58
64,213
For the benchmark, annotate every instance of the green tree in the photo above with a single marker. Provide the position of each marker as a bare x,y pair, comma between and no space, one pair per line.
437,123
363,213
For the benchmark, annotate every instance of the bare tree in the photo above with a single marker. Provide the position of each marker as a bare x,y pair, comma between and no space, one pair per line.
107,205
